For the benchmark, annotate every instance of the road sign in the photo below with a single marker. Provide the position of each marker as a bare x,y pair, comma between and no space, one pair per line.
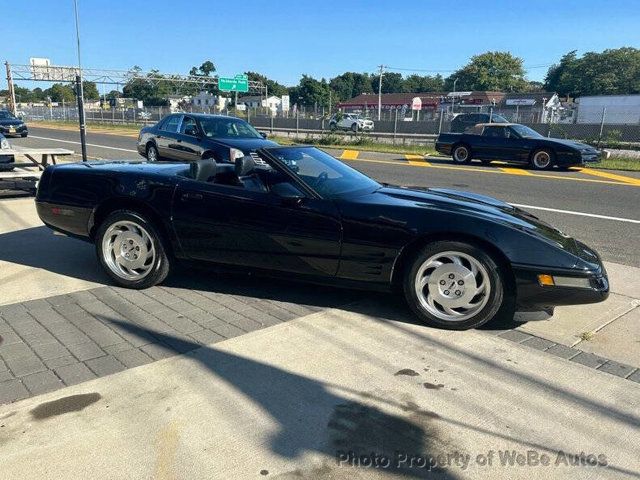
239,83
416,103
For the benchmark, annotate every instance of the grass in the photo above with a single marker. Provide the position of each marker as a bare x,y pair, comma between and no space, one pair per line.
586,336
619,163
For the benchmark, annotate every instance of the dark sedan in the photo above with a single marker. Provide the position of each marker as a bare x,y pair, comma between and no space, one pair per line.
11,125
187,137
459,258
515,143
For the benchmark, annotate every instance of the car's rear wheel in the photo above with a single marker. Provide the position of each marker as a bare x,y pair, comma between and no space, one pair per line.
333,127
461,154
542,159
354,127
131,250
454,285
152,153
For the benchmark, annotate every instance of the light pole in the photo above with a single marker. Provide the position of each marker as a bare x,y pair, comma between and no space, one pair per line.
381,67
453,96
80,91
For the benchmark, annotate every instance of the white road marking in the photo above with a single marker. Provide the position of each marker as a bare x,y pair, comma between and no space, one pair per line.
571,212
532,207
88,144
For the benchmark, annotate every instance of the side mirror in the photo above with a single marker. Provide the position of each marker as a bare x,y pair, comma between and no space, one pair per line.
192,131
289,194
264,134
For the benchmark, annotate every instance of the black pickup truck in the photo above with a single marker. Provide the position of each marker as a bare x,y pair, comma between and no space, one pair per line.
515,143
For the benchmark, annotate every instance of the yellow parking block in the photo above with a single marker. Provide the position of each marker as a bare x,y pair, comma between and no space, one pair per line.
515,171
350,154
612,176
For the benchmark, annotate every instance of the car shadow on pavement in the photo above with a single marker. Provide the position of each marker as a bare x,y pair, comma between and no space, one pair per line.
311,418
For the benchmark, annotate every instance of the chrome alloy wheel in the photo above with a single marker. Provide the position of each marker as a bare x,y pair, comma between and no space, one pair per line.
542,160
128,250
152,154
452,286
461,154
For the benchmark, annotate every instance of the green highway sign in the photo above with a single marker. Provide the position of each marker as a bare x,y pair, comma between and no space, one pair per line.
239,83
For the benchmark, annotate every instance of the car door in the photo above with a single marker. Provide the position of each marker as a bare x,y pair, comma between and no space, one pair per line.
346,122
167,136
188,145
492,144
260,229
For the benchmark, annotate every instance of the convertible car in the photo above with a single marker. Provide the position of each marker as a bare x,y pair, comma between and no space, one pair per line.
515,143
459,258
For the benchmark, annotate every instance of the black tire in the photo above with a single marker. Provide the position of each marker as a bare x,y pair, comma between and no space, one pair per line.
542,159
158,268
461,153
333,127
152,148
354,128
24,135
487,309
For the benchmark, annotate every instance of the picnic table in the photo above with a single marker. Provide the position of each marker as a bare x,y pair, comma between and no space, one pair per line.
31,154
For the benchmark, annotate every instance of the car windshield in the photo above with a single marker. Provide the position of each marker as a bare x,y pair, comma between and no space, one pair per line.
5,114
228,128
498,119
323,173
525,132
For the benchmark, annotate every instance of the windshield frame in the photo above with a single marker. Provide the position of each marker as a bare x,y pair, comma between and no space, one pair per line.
272,160
7,115
201,120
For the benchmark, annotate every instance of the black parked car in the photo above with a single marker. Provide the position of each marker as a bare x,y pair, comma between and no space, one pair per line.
517,144
11,125
463,121
459,258
188,137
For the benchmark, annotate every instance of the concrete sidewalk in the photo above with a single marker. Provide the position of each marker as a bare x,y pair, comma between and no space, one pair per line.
291,402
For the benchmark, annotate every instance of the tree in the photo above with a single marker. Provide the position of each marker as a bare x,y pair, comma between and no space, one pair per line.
310,92
59,92
273,87
496,71
392,82
90,91
426,83
204,70
611,72
350,84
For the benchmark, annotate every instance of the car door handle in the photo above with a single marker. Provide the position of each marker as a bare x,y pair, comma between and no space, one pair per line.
191,196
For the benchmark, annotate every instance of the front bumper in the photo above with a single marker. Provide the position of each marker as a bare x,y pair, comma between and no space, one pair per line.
531,296
366,128
582,158
17,130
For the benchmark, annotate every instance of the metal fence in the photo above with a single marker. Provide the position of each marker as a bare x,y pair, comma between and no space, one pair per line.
605,128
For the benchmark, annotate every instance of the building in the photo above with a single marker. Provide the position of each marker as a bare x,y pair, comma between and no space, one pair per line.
273,103
177,102
609,109
432,103
531,107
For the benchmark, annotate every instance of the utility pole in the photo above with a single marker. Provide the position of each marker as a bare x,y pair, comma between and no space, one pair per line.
453,97
12,92
329,101
80,91
381,67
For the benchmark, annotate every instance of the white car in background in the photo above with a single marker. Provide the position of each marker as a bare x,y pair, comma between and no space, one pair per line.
350,121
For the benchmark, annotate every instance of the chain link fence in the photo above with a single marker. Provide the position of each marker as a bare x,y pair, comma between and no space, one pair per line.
606,127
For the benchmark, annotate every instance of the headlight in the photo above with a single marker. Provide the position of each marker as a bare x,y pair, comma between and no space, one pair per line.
235,153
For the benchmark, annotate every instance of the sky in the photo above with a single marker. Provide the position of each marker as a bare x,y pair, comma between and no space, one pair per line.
284,39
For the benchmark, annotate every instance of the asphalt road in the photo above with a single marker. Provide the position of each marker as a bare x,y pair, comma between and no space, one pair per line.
584,198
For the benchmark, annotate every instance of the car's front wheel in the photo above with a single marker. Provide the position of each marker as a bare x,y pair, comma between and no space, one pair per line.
131,250
454,285
542,159
461,154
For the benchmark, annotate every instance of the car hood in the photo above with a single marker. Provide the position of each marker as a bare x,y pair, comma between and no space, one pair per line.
10,121
246,144
482,206
583,147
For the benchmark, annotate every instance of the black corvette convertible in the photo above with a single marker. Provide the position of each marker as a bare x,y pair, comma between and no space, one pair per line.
459,258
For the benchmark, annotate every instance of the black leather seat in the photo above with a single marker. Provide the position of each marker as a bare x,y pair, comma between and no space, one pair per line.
204,170
246,173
